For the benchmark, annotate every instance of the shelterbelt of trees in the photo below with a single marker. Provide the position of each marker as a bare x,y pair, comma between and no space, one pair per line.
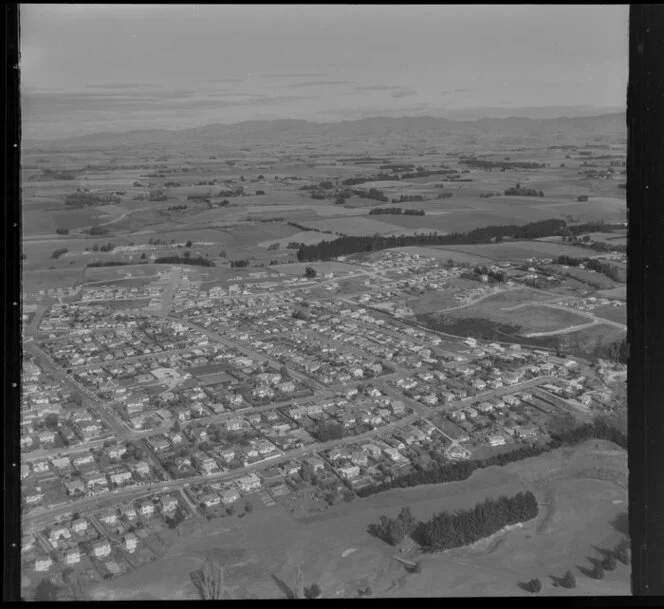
462,470
445,531
354,244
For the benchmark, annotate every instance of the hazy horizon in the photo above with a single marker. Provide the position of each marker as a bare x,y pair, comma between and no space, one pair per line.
113,68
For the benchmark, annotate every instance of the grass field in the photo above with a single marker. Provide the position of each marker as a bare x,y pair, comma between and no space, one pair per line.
519,250
611,313
360,225
578,511
619,293
527,319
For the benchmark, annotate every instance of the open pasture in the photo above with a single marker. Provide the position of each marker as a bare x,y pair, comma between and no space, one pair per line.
617,293
356,226
518,250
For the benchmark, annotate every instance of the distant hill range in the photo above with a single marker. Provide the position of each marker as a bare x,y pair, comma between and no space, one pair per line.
421,129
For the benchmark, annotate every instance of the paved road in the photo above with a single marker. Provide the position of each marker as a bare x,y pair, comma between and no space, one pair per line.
122,495
100,408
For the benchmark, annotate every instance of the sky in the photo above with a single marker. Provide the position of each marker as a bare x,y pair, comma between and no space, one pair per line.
91,68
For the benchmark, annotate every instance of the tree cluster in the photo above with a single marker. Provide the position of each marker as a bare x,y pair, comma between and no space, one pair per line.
86,199
373,193
98,230
409,199
397,211
394,530
444,195
353,244
483,164
59,252
445,530
239,264
199,261
62,231
520,191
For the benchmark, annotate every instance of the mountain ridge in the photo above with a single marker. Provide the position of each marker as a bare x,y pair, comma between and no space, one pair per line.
614,122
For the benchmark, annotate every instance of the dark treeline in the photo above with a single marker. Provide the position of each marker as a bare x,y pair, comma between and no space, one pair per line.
481,164
109,263
409,199
354,244
444,195
616,351
605,268
445,530
397,211
380,177
373,193
239,264
520,191
85,199
425,173
178,260
462,470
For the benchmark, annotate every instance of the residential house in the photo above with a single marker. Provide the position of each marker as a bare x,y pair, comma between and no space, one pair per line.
101,549
142,468
43,563
116,452
168,503
372,449
228,454
496,440
46,437
128,511
208,466
316,463
109,516
359,458
210,500
94,479
249,482
73,556
234,424
479,384
120,477
350,471
25,470
229,495
58,533
130,542
74,486
146,508
80,525
40,466
394,454
290,468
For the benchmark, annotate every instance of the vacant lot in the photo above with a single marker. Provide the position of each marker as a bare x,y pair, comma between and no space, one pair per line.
582,494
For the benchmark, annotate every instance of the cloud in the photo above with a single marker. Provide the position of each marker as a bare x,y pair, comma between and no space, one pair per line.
403,92
290,75
224,80
119,85
316,83
53,105
359,112
376,88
